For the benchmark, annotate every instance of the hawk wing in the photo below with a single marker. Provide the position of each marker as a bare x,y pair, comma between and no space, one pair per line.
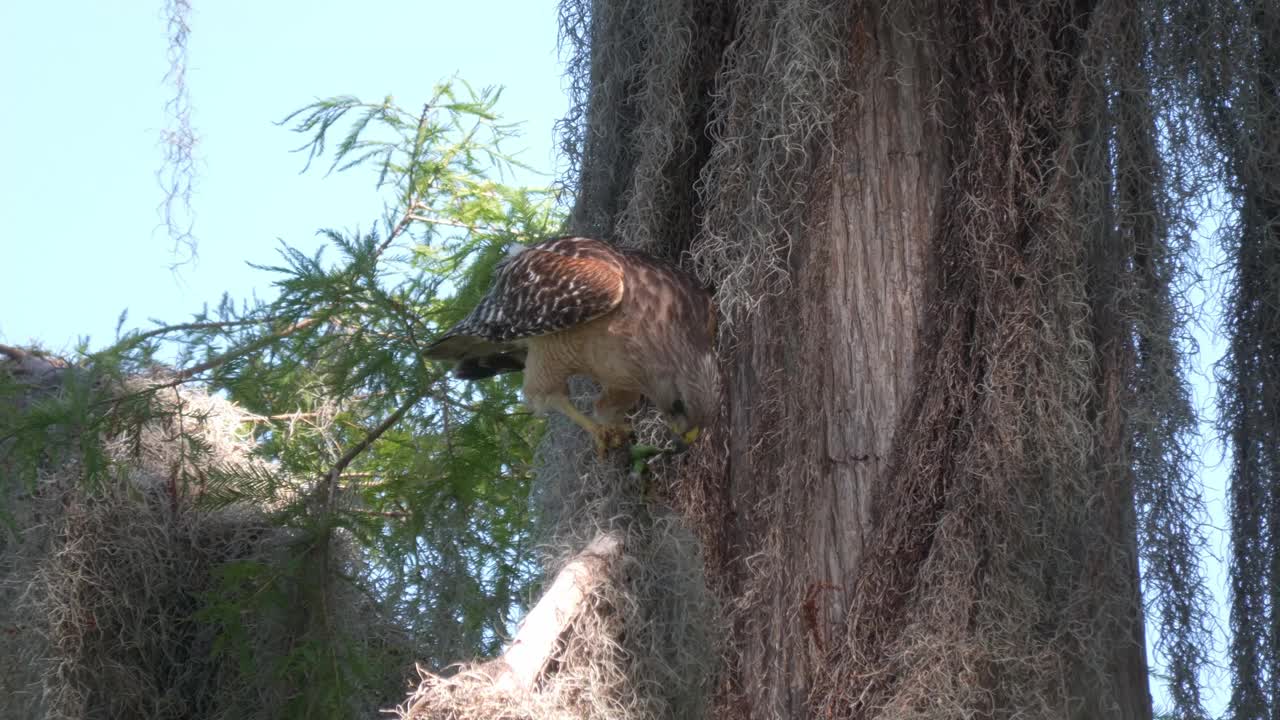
537,290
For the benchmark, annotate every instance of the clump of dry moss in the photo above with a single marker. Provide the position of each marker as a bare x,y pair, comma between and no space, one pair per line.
114,591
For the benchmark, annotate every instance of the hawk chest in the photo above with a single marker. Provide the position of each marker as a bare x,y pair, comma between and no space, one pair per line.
601,349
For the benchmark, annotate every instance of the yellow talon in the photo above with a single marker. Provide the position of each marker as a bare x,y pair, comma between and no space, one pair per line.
608,437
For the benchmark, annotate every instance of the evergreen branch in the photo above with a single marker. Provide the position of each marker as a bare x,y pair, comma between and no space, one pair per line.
256,345
186,375
134,340
413,197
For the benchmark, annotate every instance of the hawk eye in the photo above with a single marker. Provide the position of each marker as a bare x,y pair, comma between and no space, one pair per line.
677,407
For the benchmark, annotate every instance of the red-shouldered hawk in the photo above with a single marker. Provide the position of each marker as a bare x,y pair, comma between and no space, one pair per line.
577,306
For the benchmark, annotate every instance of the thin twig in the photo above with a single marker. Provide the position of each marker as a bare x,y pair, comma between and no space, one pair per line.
335,472
454,223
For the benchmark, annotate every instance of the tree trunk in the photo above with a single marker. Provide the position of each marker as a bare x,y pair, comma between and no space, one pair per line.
819,377
916,502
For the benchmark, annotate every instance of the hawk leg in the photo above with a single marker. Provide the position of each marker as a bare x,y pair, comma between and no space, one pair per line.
606,436
611,409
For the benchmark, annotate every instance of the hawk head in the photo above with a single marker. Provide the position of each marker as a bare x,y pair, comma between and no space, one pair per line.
690,399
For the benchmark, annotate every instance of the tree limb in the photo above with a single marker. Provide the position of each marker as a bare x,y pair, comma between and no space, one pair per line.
535,644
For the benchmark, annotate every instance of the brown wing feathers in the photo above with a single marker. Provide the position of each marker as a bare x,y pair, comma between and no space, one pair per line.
540,289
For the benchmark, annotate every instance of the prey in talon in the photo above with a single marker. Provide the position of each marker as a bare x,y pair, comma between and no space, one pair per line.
635,324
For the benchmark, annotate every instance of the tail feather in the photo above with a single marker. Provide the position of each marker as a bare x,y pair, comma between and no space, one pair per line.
476,357
488,366
460,347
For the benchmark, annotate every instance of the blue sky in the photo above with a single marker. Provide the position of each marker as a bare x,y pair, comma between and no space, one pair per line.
84,103
84,114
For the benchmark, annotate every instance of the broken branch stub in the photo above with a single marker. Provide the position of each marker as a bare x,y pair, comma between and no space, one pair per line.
521,683
534,645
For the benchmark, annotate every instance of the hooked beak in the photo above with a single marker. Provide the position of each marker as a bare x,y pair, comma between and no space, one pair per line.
687,438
